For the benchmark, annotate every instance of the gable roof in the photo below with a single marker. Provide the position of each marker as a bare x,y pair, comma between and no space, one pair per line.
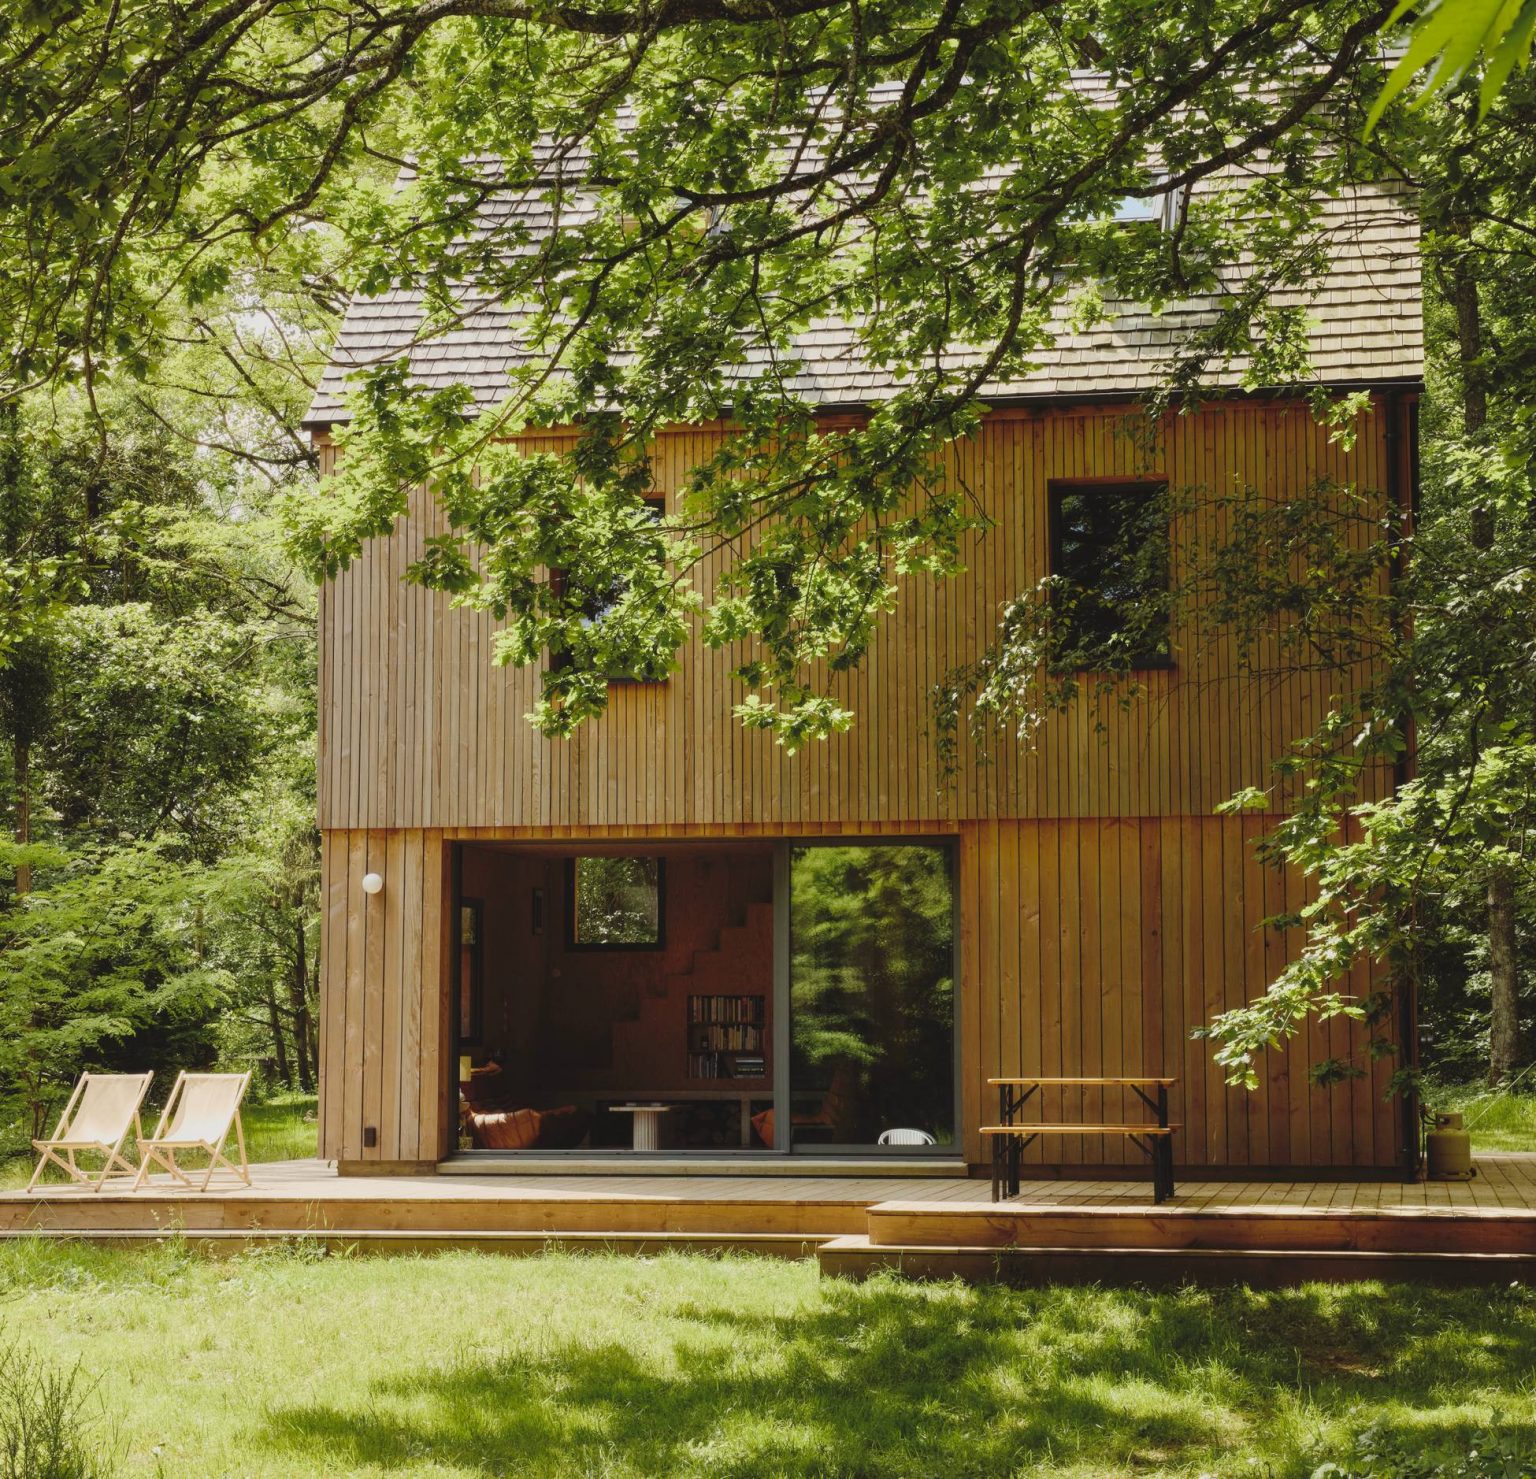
1365,326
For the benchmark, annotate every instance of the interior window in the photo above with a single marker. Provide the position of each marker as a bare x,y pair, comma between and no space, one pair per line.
1110,556
615,903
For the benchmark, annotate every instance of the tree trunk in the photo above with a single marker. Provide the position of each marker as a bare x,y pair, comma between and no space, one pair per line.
279,1038
1504,1029
298,1007
21,762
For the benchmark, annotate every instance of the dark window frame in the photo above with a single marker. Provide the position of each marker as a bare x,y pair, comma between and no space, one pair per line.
657,502
1056,489
605,946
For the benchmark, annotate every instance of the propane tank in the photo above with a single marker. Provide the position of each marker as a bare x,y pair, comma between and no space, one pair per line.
1447,1149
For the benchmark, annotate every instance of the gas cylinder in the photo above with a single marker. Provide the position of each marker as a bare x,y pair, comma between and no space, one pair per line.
1447,1149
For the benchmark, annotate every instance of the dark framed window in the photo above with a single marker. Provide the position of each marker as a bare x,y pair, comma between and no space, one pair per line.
1110,557
599,606
615,903
471,973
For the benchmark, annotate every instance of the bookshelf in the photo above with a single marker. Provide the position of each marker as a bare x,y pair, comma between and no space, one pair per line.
726,1037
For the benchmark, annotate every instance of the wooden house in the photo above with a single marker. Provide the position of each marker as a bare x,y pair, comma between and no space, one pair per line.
795,959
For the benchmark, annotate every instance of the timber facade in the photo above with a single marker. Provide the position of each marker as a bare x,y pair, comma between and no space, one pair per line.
1102,908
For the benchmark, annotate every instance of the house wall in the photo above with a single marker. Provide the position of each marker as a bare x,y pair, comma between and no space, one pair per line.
1105,911
1088,947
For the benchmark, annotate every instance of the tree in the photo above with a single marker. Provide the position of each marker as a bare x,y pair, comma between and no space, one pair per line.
715,176
720,177
1449,38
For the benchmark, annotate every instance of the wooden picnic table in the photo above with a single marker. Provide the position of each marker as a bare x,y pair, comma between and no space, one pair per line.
1011,1134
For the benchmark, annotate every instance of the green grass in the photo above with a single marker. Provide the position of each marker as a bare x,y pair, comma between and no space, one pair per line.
1497,1119
280,1128
465,1364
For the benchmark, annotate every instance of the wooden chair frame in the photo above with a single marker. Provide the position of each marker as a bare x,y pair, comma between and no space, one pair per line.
48,1150
159,1150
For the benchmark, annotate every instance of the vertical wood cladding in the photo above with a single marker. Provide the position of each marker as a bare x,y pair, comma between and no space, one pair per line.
1104,910
1088,946
419,729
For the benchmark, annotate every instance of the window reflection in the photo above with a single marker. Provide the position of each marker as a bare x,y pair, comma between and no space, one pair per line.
872,1007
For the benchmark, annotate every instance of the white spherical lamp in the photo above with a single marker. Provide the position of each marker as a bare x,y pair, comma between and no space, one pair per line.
372,883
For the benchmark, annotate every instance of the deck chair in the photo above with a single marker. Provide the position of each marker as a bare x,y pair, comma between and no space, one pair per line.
202,1110
100,1115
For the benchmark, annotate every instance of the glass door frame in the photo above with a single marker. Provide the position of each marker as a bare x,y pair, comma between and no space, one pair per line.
780,1088
783,1127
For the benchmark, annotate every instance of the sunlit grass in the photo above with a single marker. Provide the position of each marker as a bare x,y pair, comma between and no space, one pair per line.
1496,1119
464,1364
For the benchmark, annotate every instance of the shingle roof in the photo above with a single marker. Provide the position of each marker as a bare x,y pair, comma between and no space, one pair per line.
1365,327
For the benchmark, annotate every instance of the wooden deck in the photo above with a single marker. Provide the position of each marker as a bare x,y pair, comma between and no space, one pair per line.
924,1226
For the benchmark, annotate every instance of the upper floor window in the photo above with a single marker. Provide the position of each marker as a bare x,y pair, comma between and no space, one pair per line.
1110,556
598,604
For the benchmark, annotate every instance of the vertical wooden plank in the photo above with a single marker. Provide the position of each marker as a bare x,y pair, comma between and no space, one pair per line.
350,1147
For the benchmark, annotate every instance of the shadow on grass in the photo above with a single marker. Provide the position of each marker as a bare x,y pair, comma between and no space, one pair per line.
893,1378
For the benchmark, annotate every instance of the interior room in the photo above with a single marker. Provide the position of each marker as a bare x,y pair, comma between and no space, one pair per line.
615,999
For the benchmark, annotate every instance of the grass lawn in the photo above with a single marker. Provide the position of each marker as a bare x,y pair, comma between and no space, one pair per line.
281,1128
1497,1120
468,1364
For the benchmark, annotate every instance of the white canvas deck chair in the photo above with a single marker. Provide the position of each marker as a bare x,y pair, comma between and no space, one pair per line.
202,1110
101,1114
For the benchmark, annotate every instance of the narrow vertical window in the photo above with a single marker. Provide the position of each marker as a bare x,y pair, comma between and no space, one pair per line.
471,930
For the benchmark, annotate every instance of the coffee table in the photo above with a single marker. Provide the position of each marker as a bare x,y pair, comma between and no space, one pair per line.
647,1122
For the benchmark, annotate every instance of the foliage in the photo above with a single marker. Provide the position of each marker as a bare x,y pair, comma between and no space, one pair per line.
1450,38
617,899
1388,1453
715,181
157,707
109,944
48,1420
194,194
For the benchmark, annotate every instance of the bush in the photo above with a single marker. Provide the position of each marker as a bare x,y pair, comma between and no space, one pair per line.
49,1420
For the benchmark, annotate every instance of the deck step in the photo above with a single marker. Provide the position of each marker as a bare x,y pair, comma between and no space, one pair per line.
1449,1230
856,1257
388,1241
444,1213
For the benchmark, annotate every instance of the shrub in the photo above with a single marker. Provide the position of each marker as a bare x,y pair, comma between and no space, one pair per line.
50,1420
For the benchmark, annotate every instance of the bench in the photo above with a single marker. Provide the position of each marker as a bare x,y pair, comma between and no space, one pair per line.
1010,1135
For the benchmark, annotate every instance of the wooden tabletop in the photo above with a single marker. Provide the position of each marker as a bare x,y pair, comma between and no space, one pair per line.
1097,1083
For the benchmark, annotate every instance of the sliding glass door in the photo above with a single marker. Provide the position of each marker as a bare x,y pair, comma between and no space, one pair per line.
872,997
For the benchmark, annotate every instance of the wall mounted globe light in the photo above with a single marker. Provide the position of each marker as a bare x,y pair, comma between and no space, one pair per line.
372,883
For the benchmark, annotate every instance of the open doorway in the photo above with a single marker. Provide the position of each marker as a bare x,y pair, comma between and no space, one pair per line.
738,998
612,998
